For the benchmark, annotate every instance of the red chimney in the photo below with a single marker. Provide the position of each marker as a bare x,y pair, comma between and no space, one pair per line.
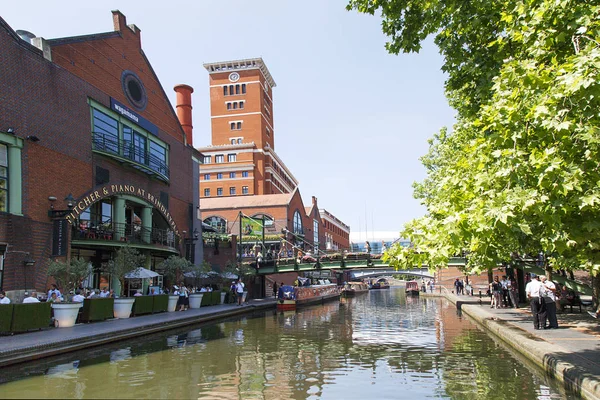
184,109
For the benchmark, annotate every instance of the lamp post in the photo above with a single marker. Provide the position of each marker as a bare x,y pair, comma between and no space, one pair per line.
27,262
61,232
190,245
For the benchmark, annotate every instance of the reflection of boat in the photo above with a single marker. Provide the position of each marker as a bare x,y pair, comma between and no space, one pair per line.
354,288
381,283
412,288
289,297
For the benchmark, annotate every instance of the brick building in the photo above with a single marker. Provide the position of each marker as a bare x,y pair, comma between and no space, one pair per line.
92,156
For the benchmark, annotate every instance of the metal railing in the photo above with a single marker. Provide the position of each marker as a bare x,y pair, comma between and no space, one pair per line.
129,233
126,149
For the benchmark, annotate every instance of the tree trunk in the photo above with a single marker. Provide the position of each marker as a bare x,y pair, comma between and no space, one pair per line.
548,270
596,290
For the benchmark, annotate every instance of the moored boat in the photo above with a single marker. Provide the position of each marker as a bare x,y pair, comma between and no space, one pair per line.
354,288
290,297
381,283
412,288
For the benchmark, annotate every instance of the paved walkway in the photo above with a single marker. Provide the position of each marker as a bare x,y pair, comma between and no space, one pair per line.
52,341
570,353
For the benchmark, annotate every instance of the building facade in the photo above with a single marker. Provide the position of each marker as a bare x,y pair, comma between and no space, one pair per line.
92,156
337,233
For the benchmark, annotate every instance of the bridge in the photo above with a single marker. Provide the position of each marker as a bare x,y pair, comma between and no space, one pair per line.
369,273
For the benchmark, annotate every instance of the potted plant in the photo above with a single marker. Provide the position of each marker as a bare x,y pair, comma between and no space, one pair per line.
68,276
197,271
171,268
125,260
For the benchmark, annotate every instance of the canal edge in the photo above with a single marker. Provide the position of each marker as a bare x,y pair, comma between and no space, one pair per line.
572,377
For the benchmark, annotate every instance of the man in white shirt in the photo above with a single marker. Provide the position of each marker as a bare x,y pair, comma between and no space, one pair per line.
239,288
3,298
54,290
78,298
31,299
104,292
548,293
532,289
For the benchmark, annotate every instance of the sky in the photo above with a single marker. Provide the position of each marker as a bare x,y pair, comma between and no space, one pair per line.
351,121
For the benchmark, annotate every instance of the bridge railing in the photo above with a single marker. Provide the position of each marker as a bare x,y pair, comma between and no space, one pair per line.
303,261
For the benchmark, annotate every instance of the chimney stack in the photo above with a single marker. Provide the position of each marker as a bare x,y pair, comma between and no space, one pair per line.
184,110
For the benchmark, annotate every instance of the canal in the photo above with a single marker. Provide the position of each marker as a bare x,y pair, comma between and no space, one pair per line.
378,345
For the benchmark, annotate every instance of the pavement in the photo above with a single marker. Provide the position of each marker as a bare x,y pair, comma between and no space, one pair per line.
570,353
48,342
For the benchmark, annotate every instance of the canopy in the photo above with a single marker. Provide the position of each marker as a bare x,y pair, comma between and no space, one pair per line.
142,273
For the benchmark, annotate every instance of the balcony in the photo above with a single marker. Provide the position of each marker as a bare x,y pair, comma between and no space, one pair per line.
86,232
126,151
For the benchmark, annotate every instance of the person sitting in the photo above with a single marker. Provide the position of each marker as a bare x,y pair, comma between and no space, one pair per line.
3,298
78,298
30,299
54,290
104,292
111,294
95,294
138,293
54,298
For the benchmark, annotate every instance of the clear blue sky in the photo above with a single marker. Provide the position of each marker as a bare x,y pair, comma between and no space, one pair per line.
351,121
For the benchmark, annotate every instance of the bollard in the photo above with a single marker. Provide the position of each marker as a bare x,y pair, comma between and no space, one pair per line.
480,297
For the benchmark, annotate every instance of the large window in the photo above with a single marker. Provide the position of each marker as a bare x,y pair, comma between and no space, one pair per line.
220,158
106,132
3,177
316,234
297,223
206,160
218,223
231,157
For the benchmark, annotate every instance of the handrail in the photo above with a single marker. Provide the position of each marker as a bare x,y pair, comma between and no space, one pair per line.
127,150
124,232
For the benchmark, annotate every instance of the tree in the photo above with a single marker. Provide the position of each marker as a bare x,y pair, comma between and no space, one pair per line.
198,271
126,259
174,266
519,173
69,276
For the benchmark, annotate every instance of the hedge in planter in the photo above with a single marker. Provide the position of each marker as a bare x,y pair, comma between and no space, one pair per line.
160,303
142,305
6,316
30,316
97,309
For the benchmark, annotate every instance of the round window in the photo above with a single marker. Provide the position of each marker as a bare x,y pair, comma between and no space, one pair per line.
134,90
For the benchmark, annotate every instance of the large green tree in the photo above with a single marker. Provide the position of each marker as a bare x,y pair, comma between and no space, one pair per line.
519,173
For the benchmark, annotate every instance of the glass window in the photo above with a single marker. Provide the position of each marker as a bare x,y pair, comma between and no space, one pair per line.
243,88
225,91
231,191
158,157
206,177
232,175
219,176
229,106
297,222
3,177
237,89
244,189
219,191
106,211
219,158
235,104
206,192
230,89
206,160
241,104
239,126
316,234
232,141
106,132
239,141
218,223
244,174
231,157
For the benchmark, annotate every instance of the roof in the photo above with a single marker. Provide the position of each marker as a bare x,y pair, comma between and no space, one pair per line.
240,65
234,202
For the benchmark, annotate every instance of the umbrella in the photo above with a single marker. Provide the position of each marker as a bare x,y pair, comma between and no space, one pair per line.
140,273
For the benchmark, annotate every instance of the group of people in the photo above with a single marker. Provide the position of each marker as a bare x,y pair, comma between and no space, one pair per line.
541,293
504,292
430,284
463,287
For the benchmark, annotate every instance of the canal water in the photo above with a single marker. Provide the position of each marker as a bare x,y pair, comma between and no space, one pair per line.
380,345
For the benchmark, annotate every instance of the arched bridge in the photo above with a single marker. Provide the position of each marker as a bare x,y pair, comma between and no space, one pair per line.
369,273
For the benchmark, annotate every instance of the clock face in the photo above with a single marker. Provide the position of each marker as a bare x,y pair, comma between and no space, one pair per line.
234,77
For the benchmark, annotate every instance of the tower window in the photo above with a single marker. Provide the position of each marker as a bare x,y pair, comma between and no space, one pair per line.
239,141
239,126
225,91
229,106
235,105
241,104
243,88
237,89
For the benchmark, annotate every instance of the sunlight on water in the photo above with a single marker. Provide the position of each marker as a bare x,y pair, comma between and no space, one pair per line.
380,344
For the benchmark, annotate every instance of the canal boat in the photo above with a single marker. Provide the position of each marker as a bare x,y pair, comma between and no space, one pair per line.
381,283
354,288
412,288
290,297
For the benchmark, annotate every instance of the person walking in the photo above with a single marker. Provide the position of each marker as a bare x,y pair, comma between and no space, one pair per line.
239,288
275,289
496,288
532,289
548,294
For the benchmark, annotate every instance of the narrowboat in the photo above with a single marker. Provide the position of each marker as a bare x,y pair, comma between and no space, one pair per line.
290,297
381,283
412,288
354,288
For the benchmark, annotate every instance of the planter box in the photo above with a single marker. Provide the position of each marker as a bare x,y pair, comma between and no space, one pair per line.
172,303
30,316
6,316
197,299
97,309
160,303
65,314
142,305
223,296
122,307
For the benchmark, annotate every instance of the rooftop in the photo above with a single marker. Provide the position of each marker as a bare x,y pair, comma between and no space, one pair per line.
264,200
241,65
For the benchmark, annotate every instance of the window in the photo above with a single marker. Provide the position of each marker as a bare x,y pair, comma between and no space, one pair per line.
244,189
206,160
235,126
232,141
225,91
134,145
268,132
239,126
241,104
243,88
206,192
229,106
235,105
239,141
316,234
219,158
232,175
297,222
237,89
3,177
244,174
158,157
219,191
219,176
231,90
218,223
232,191
106,132
207,177
231,157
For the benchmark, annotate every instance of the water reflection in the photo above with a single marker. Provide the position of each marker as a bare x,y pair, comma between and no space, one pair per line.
381,344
